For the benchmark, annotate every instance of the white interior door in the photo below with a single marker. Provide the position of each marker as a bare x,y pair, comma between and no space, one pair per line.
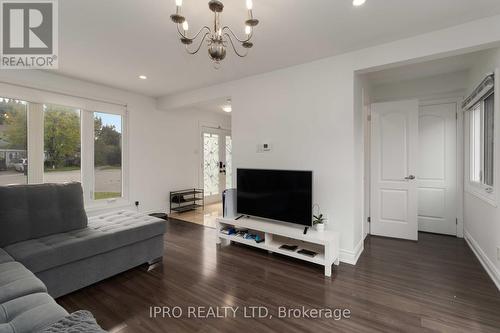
216,163
394,148
437,169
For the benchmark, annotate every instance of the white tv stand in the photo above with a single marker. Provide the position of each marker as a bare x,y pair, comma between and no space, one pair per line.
275,234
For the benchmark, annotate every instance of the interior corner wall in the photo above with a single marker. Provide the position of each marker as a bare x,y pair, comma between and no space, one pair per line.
362,98
482,219
164,146
365,111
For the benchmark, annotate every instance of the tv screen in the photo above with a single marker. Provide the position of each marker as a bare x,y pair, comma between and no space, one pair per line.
275,194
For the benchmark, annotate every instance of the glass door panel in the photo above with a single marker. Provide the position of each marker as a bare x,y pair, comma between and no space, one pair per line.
229,162
217,163
211,164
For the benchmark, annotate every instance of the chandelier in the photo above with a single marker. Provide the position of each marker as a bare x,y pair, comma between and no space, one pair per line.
219,37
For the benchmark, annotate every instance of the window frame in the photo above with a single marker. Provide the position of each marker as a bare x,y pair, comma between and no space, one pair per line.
480,189
35,99
89,189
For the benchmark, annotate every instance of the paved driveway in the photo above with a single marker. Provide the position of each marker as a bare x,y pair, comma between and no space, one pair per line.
109,180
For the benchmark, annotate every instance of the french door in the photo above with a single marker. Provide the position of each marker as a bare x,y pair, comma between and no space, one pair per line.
437,181
217,170
394,139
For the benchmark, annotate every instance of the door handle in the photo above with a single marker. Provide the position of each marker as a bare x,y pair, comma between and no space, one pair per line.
222,167
410,177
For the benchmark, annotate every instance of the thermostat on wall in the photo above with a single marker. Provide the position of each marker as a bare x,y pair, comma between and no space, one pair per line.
263,147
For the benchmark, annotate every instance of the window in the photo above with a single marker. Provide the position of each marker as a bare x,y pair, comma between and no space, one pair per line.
481,134
13,142
59,143
489,111
475,141
62,144
107,156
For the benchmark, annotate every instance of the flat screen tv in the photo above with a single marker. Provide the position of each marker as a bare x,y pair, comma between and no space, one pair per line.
275,194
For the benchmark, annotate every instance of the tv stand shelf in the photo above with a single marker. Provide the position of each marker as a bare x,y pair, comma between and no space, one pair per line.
326,243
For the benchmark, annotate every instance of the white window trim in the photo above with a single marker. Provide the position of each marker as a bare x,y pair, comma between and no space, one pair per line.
124,201
482,191
87,106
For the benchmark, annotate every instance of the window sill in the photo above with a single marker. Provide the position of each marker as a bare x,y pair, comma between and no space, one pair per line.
101,206
489,198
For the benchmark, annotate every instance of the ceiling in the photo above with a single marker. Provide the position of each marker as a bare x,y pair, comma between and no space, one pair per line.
214,105
112,42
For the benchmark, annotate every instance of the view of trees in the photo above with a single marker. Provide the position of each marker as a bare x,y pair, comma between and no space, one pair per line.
107,151
61,135
13,124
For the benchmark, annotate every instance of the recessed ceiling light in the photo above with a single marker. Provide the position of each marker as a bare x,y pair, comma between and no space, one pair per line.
228,106
358,3
143,77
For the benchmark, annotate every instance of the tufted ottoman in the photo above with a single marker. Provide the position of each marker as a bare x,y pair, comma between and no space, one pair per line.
111,243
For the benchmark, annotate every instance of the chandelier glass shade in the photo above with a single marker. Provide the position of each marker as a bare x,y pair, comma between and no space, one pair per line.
218,37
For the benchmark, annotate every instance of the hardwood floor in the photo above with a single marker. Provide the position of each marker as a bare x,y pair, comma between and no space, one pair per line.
434,285
205,216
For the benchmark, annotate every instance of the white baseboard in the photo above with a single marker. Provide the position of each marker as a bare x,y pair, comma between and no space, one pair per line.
490,268
351,257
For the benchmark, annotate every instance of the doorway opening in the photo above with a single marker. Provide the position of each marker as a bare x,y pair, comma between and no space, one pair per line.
217,162
212,143
414,147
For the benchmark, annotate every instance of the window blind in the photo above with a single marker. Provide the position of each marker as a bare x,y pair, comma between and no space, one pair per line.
485,87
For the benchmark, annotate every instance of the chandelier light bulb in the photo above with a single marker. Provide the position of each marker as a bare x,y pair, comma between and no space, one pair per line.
218,38
358,3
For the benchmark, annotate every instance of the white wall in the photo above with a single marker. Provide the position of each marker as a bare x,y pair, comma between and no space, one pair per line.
434,87
482,219
307,113
164,147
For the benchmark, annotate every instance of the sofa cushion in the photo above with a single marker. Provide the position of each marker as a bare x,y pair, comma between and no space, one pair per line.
30,313
17,281
103,233
5,257
32,211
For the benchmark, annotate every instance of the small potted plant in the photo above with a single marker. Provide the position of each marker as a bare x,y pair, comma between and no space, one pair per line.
319,222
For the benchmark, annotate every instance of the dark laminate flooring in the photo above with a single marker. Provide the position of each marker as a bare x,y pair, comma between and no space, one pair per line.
436,284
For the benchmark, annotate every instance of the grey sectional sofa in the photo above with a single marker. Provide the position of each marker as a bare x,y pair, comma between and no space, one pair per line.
48,246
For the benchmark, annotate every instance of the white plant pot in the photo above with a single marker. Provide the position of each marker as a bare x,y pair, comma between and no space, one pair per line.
320,227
